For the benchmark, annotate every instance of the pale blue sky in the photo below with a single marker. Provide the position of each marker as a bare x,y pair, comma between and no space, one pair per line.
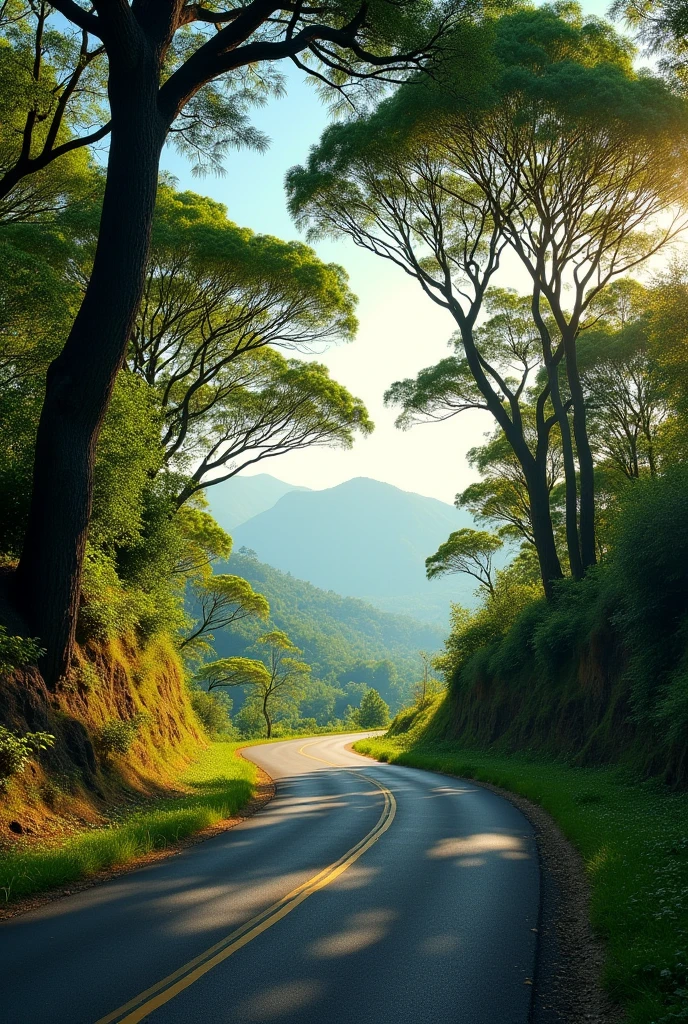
401,330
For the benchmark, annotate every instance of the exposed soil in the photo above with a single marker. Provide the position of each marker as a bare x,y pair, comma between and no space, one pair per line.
265,790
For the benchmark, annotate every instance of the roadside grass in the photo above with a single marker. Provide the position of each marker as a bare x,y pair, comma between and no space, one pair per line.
218,784
633,837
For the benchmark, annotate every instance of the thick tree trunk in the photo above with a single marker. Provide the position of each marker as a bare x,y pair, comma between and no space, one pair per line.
586,466
81,379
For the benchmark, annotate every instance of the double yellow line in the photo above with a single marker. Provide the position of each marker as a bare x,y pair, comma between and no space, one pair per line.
157,995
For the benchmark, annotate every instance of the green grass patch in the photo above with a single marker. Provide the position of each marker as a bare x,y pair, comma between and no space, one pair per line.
633,838
220,784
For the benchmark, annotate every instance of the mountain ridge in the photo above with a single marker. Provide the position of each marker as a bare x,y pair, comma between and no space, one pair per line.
362,538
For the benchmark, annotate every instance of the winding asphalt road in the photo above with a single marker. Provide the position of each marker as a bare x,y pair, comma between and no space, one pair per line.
362,894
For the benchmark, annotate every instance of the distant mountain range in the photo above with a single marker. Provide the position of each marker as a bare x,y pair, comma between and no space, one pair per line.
362,539
239,499
339,636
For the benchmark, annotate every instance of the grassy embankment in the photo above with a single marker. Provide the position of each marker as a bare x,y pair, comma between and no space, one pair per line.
633,838
215,787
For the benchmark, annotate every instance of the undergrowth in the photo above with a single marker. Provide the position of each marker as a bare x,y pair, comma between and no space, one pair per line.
633,838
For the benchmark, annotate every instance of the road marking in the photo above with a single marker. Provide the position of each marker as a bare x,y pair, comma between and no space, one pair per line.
302,751
157,995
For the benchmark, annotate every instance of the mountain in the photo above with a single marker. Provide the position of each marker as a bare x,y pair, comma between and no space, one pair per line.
363,539
242,497
343,639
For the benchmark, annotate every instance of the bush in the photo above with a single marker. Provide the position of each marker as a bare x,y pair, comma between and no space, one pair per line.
212,711
16,651
117,735
17,751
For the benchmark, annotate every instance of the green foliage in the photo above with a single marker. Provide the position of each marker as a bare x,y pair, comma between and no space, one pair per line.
129,455
220,600
466,551
647,573
117,735
343,639
373,712
601,670
17,651
17,751
212,710
275,680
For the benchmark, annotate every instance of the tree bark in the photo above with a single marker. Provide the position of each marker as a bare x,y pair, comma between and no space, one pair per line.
534,470
543,532
81,378
586,466
266,716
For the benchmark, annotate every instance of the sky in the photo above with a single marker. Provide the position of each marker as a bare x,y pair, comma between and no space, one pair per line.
401,329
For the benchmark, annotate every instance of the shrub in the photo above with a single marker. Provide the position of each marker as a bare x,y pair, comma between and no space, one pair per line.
212,711
117,735
16,651
17,751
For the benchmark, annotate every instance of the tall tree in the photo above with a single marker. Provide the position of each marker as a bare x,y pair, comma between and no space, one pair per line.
169,64
622,381
584,191
400,196
271,406
512,338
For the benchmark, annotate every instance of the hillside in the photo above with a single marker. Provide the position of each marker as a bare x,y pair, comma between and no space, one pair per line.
337,634
239,499
362,539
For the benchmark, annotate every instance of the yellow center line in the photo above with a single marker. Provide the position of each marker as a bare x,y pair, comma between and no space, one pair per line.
302,751
163,991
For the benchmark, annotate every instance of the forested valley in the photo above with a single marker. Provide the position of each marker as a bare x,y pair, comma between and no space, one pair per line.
153,348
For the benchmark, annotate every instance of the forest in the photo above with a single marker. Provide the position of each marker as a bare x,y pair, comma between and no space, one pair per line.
153,348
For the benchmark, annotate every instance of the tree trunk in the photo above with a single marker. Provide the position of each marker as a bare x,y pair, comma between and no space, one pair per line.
543,532
586,466
534,470
80,380
570,483
266,716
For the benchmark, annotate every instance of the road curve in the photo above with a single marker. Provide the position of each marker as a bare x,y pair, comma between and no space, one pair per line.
363,893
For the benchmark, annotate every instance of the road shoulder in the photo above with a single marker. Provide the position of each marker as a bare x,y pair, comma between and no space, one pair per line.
264,792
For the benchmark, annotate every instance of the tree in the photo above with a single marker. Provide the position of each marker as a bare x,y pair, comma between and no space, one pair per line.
188,69
467,551
276,683
218,300
50,77
221,601
272,406
624,392
429,686
409,202
579,190
373,712
662,27
532,162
